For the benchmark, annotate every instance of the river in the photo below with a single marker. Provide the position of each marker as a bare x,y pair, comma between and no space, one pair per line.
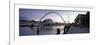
45,30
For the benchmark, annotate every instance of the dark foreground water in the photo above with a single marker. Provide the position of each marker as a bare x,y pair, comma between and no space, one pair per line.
45,30
51,30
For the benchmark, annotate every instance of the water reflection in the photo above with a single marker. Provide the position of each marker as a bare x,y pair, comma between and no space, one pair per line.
45,30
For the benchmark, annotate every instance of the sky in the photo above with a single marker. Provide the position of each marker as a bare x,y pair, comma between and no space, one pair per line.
37,14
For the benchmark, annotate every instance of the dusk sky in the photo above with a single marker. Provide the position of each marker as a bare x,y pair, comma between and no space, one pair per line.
37,14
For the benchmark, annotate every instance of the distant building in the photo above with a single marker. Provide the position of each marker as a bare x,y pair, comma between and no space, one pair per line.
48,21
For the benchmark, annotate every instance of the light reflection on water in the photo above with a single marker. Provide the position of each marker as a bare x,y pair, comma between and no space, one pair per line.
45,30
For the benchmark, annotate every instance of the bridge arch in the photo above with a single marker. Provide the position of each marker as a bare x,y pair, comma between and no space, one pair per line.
53,12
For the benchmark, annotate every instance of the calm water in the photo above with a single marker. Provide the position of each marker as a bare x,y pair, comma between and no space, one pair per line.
45,30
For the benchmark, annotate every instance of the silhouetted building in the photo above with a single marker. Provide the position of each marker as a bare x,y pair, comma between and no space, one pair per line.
83,19
81,24
48,21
